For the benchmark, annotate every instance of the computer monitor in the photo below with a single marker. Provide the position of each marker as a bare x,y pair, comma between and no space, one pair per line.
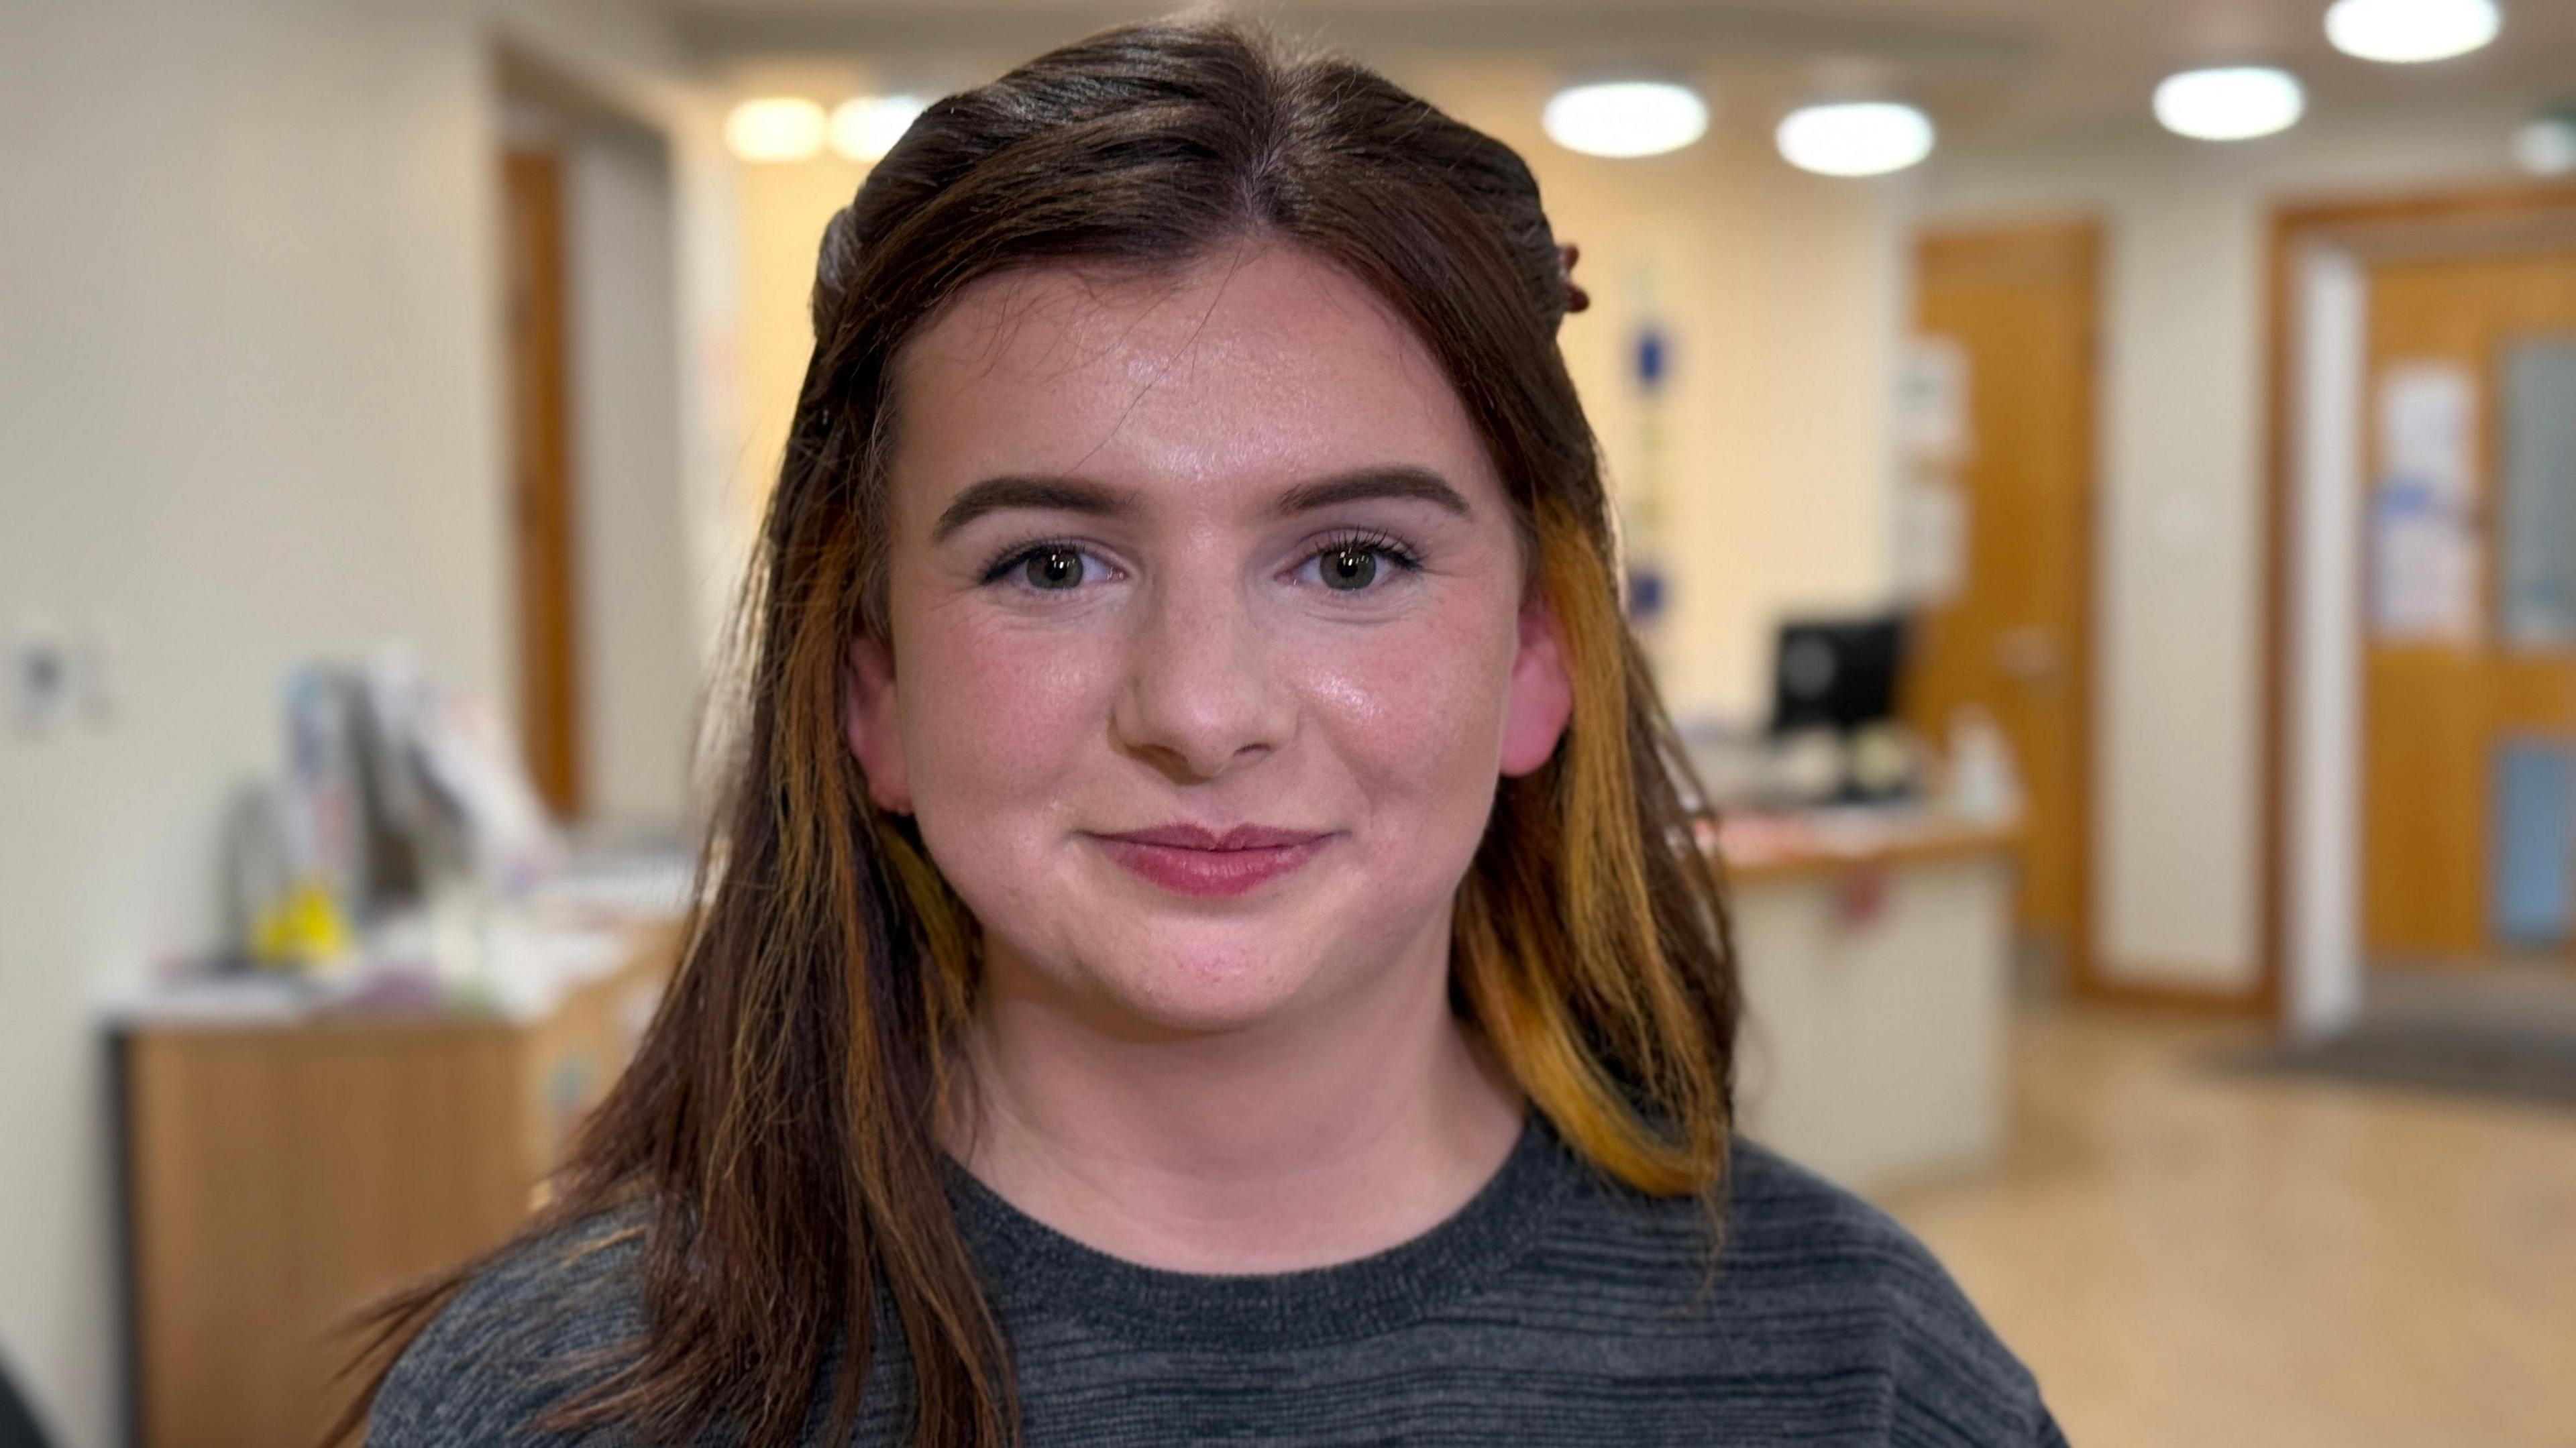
1837,673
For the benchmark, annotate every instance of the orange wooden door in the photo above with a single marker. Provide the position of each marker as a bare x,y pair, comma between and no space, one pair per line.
2433,712
2021,306
541,477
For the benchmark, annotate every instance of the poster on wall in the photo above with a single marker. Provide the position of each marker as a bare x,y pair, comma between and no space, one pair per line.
1931,533
2425,568
2427,555
2428,414
1932,428
1933,443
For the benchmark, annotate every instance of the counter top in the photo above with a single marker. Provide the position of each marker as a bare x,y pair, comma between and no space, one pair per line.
526,973
1763,846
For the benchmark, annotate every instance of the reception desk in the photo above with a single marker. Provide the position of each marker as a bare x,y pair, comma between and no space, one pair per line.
1876,953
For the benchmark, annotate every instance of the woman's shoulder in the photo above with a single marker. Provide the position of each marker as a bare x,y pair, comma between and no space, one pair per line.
1811,1282
1785,1229
518,1337
1792,1233
1788,1226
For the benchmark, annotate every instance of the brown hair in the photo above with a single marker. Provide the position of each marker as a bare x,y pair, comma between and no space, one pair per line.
775,1139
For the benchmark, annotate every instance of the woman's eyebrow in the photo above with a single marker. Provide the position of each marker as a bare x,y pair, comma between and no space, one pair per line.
1384,482
993,495
1081,495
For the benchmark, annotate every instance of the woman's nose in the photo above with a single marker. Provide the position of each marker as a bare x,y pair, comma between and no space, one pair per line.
1200,698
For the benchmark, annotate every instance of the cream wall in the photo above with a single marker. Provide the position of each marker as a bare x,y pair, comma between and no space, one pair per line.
639,677
248,415
1780,291
246,418
2180,545
783,209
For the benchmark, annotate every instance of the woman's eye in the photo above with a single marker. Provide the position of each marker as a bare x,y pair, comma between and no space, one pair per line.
1053,568
1357,566
1348,569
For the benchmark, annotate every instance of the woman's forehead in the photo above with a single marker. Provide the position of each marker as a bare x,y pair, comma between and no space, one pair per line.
1254,368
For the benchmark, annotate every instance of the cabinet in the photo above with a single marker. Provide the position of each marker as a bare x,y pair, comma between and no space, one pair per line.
280,1173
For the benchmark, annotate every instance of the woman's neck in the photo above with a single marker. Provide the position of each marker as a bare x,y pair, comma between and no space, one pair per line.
1293,1144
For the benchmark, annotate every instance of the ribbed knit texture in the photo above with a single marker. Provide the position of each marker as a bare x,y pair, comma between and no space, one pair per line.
1556,1307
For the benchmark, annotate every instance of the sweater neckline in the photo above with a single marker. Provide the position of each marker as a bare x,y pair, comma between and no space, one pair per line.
1034,1269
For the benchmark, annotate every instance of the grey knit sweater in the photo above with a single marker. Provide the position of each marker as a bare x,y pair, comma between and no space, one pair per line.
1556,1307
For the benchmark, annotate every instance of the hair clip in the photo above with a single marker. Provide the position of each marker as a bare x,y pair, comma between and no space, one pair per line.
1576,298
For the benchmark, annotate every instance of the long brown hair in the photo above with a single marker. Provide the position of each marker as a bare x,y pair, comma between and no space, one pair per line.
775,1136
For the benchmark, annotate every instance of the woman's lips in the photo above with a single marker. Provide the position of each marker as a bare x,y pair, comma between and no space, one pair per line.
1210,870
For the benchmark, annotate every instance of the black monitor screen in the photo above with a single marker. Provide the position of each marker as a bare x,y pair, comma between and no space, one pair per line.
1837,673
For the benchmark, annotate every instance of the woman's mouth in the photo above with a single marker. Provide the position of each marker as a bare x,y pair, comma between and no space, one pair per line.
1191,859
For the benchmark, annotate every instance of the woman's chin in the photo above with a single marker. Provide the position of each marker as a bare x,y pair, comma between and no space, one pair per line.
1204,991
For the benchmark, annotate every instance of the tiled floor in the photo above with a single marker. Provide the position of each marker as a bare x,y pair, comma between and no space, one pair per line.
2531,993
2190,1257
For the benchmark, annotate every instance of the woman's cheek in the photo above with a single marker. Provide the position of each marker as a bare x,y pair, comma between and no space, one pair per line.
1418,708
998,711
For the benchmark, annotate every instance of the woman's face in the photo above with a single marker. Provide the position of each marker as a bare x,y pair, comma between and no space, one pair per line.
1208,637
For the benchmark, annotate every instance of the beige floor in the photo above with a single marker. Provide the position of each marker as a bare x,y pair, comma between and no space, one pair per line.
2191,1258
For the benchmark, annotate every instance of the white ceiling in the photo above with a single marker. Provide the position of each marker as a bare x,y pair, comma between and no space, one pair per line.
1992,68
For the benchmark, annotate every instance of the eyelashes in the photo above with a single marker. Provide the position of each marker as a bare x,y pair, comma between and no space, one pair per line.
1017,558
1366,540
1027,553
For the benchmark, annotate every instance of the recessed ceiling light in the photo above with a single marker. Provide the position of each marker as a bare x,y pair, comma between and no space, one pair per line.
2233,103
2547,147
2404,31
864,128
775,128
1625,118
1856,138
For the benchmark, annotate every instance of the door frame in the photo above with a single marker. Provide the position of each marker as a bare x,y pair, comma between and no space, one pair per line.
2308,942
544,479
2083,978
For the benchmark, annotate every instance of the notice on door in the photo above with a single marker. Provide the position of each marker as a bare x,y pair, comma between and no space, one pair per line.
2426,553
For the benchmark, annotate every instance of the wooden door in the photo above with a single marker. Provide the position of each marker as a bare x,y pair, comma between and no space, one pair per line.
2434,712
541,477
2021,305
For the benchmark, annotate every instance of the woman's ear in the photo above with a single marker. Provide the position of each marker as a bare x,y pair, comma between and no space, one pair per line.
1541,697
869,718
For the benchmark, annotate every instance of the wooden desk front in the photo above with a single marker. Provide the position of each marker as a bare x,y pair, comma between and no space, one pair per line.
279,1175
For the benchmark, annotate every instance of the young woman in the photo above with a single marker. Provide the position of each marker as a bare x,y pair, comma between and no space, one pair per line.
1204,942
